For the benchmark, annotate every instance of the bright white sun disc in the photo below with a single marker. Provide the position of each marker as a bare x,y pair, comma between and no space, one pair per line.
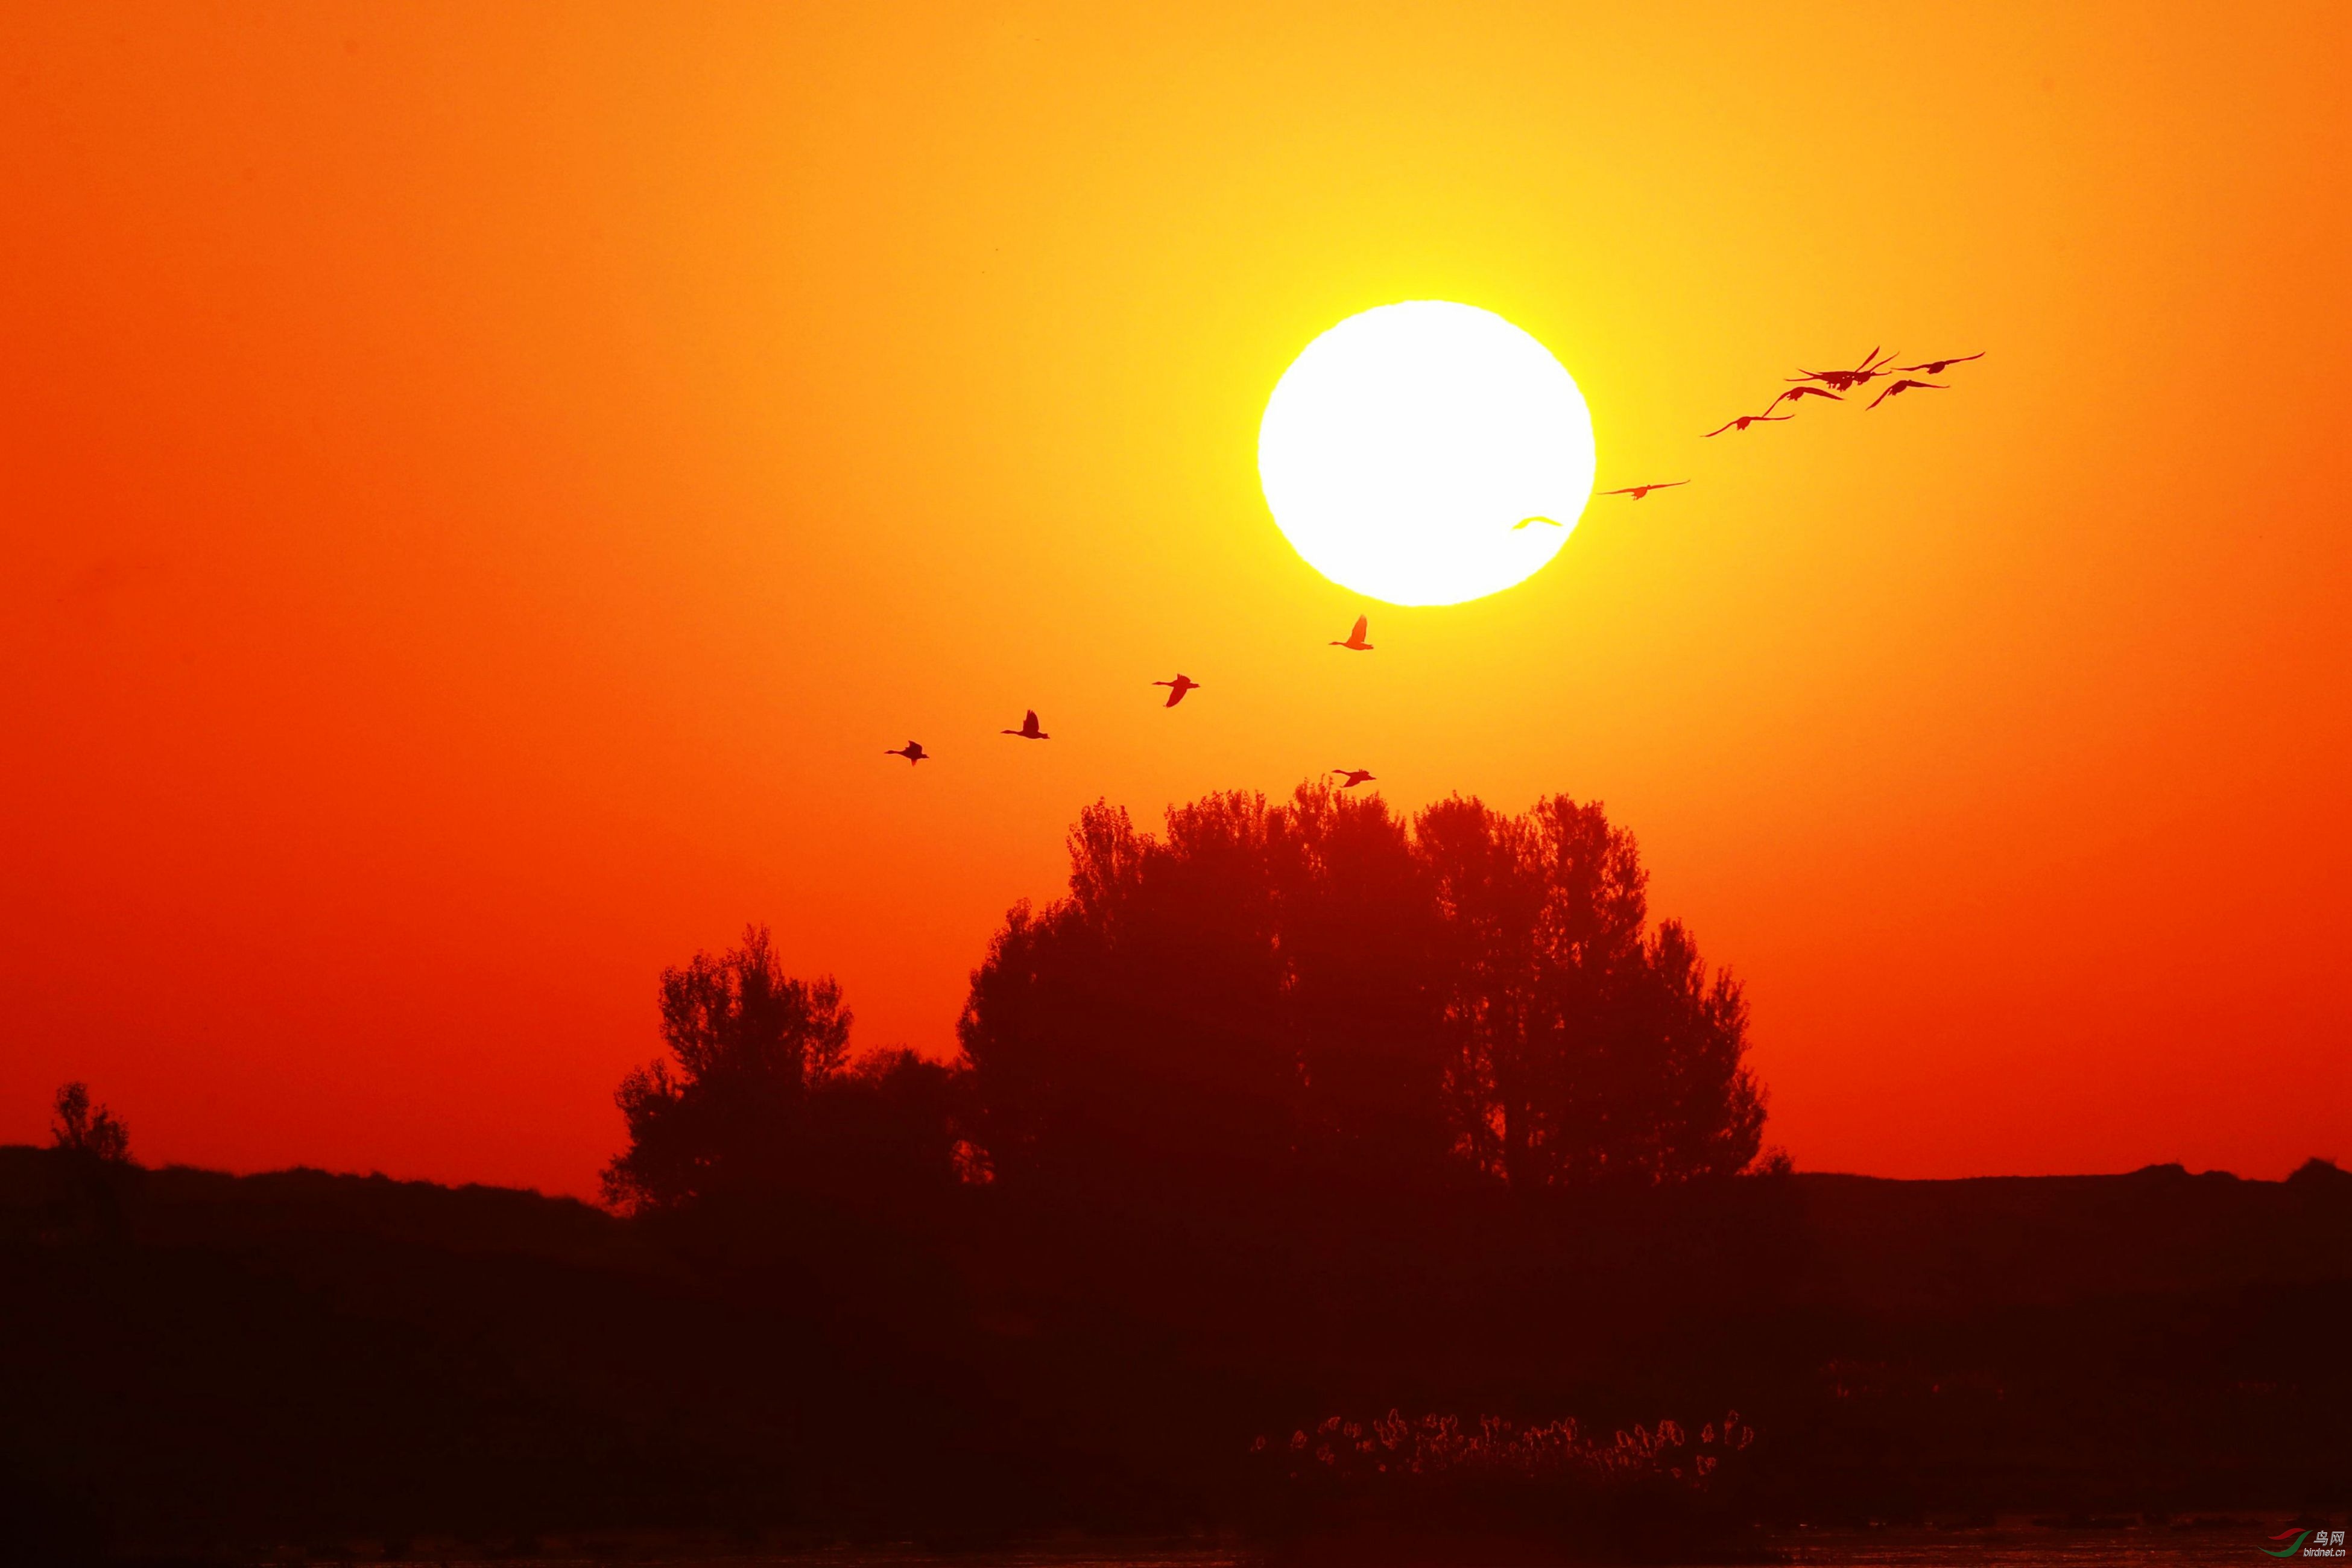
1401,447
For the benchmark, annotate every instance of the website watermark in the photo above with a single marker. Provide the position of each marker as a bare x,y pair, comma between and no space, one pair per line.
2308,1544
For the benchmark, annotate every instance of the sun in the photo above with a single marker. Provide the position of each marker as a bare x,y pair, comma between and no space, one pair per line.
1403,451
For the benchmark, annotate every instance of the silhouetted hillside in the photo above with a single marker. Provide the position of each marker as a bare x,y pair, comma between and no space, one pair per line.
2014,1239
189,1359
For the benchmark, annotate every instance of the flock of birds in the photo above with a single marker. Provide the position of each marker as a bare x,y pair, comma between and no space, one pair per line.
1833,385
1830,384
1355,642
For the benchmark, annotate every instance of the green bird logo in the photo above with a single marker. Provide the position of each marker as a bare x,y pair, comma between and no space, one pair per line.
2292,1547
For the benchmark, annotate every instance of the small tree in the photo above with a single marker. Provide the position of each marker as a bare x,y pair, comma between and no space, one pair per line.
729,1109
97,1133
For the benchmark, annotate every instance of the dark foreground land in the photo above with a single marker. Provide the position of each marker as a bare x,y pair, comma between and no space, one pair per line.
196,1363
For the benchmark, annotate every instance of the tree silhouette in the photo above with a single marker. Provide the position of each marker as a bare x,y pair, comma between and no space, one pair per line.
1358,923
1129,1034
750,1046
758,1097
98,1133
1270,991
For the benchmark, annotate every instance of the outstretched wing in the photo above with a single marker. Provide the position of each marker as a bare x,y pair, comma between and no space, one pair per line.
1029,719
1362,621
1937,366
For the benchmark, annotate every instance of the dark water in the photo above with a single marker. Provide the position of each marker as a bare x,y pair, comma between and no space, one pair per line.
2017,1547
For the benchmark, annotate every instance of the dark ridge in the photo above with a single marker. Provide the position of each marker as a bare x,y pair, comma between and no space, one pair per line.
191,1361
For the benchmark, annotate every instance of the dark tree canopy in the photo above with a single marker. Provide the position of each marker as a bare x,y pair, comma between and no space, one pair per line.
758,1096
1319,986
81,1129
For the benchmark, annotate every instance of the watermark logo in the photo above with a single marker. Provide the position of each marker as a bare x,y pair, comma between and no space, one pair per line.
2308,1544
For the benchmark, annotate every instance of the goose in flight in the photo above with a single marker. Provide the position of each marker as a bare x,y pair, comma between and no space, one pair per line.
1796,393
1177,687
912,750
1636,491
1871,369
1356,639
1354,776
1745,420
1937,366
1028,731
1905,385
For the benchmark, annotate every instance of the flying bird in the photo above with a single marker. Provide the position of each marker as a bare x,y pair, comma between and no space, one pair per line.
1638,491
1797,393
1525,520
1028,731
1905,385
912,750
1870,370
1353,775
1937,366
1745,420
1356,639
1177,687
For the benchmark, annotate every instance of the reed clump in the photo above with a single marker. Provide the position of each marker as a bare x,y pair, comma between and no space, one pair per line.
1414,1488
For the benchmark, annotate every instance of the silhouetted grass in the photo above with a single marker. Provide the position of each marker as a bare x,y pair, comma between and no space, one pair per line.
1398,1488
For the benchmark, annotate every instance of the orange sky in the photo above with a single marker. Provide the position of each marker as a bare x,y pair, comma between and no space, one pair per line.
479,487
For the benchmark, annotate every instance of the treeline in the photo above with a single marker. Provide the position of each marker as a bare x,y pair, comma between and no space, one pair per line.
1317,992
1289,1105
1287,1115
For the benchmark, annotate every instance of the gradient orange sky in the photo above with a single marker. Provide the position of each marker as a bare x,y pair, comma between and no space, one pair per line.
481,485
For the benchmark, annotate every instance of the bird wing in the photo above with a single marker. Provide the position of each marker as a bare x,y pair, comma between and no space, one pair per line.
1361,623
1029,719
1721,428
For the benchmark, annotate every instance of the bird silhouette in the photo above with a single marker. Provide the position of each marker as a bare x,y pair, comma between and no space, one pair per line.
1525,520
1937,366
1177,687
912,750
1905,385
1028,731
1638,491
1745,420
1797,393
1356,639
1871,368
1353,775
